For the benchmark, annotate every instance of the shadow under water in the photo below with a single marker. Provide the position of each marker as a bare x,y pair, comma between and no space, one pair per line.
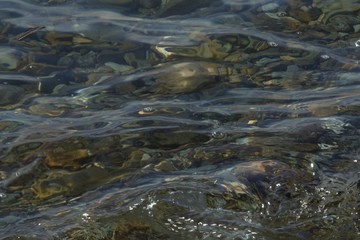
149,119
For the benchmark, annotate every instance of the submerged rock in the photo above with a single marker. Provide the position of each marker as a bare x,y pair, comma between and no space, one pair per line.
170,79
11,59
191,203
10,94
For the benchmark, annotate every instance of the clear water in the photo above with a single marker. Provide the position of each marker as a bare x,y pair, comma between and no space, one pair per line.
216,119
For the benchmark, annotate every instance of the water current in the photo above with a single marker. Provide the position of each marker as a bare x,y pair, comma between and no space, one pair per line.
179,119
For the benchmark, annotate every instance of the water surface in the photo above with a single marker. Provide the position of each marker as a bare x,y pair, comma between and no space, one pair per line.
215,119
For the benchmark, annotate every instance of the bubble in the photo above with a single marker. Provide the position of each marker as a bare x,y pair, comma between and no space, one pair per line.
325,56
274,44
148,109
217,135
2,195
281,14
133,206
357,43
85,217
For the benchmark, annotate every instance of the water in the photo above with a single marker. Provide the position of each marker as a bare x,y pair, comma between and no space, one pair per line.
217,119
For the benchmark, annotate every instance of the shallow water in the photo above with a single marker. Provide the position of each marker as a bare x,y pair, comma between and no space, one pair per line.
216,119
